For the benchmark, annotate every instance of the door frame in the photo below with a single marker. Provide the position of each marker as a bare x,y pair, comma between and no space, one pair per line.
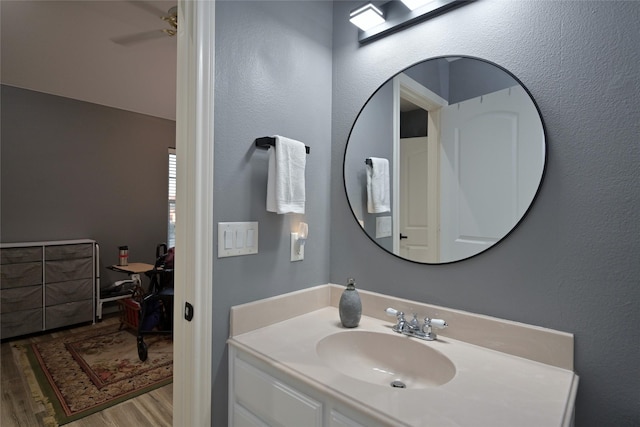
192,374
404,87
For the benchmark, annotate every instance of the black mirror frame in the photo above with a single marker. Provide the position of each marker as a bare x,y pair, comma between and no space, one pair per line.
526,212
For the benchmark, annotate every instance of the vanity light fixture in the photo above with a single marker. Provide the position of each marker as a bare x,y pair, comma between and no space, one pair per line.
397,15
366,17
414,4
298,240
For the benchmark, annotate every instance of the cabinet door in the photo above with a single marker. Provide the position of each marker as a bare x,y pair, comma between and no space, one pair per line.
336,419
272,401
244,418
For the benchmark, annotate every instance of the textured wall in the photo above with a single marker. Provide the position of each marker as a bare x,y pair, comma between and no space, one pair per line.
573,263
273,76
71,169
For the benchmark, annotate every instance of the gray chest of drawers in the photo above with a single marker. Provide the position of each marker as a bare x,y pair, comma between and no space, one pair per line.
46,285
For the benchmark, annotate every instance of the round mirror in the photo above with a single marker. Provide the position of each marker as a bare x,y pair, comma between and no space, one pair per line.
444,159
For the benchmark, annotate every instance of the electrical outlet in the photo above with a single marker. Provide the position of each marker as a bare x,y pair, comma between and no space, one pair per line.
297,250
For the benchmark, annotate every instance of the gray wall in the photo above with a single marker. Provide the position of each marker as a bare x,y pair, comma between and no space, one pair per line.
273,76
572,264
72,170
469,79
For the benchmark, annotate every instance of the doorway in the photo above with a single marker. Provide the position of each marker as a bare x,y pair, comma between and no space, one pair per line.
416,171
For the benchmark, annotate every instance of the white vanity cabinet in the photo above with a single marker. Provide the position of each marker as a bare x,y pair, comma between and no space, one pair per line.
261,395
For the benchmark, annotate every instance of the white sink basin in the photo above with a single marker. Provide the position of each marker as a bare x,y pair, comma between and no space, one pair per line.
385,359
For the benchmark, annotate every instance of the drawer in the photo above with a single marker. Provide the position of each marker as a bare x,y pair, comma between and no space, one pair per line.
70,313
272,401
63,292
16,255
82,250
20,323
23,274
17,299
71,269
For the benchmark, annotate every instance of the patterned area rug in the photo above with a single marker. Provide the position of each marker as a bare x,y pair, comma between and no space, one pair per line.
87,372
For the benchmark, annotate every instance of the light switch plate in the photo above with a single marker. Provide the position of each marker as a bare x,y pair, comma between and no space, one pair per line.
237,238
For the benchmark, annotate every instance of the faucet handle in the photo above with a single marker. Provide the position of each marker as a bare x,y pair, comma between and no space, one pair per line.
436,323
429,335
393,312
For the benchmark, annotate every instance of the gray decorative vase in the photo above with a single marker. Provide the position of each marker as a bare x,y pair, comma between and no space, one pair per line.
350,306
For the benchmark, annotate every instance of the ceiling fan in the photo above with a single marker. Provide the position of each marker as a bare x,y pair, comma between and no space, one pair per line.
170,17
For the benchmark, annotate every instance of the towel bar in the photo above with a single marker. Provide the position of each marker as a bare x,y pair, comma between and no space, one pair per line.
368,162
267,141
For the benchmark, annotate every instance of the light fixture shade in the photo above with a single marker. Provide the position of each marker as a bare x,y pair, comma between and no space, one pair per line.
366,17
414,4
303,231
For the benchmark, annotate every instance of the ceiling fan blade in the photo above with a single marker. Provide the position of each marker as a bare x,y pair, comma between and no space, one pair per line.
149,8
139,37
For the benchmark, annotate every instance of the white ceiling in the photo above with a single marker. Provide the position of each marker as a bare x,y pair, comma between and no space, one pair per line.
80,50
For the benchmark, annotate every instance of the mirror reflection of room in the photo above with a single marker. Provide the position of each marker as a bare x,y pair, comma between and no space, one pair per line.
466,149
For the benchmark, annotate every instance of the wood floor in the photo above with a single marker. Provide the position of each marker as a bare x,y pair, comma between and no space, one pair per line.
20,409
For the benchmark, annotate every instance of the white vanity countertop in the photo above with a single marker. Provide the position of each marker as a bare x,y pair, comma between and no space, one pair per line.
490,388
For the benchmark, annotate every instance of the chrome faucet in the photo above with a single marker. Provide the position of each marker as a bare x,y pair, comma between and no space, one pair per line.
413,328
402,323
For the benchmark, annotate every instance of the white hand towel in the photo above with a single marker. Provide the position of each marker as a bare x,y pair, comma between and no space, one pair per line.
285,181
378,198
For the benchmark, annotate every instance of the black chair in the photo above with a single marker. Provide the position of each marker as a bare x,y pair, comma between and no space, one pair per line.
156,307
